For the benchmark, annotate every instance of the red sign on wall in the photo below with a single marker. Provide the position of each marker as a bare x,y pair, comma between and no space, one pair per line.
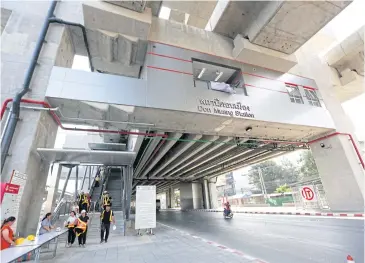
308,193
11,188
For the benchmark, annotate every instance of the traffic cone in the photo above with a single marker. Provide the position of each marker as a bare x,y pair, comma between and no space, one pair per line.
350,259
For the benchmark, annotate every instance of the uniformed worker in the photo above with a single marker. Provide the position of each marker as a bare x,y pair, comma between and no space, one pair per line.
107,217
70,224
106,200
81,228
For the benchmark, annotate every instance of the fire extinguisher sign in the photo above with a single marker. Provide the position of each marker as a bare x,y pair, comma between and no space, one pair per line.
308,194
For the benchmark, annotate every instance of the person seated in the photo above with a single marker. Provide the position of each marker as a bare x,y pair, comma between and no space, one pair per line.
227,209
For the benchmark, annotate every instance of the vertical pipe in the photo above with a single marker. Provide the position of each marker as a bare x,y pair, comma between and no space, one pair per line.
83,179
76,181
66,182
9,130
90,178
124,191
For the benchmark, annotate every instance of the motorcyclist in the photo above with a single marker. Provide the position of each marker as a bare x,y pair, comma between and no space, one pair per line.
227,209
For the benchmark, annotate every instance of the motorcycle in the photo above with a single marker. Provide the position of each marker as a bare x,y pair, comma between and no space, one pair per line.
227,216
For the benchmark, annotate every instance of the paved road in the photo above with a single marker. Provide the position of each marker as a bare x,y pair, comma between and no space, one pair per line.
276,239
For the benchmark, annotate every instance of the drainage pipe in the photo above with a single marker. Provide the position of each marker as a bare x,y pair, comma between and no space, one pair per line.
15,111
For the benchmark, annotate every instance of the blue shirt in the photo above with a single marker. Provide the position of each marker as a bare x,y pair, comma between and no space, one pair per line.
45,223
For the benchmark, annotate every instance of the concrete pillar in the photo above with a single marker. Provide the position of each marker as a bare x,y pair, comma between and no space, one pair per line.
206,194
213,195
168,198
186,196
35,129
338,165
172,197
197,189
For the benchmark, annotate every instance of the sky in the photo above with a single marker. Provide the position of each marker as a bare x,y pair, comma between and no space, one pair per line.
343,25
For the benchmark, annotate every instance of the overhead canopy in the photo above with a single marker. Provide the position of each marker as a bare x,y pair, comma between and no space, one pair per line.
73,156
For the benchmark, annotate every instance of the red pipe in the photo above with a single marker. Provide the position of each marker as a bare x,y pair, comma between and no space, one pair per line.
57,120
351,139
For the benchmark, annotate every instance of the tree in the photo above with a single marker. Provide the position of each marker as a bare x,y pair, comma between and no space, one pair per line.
274,175
308,167
283,189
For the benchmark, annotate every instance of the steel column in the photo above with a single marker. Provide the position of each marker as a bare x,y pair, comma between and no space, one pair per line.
76,181
66,182
83,179
90,177
129,192
54,197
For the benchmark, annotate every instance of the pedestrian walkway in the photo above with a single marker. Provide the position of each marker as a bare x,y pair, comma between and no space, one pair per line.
166,246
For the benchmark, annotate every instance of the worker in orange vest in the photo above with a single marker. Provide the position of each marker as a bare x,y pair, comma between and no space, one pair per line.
81,228
70,224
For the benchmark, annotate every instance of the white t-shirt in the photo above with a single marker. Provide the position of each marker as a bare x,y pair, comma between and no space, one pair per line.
71,219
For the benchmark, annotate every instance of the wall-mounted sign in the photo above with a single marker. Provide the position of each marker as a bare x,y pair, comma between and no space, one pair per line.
225,108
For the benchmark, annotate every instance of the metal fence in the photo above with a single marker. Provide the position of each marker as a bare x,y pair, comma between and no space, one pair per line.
320,200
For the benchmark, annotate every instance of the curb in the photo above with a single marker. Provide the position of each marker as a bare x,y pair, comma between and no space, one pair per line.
227,249
282,213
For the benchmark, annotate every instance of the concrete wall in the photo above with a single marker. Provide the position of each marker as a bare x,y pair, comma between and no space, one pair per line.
35,129
168,71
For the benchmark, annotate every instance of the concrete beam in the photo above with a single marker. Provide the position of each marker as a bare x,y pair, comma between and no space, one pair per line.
161,153
5,14
295,22
253,54
199,155
177,16
349,53
180,149
187,155
137,6
105,16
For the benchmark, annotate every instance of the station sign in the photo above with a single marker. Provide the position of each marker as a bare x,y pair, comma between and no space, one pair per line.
308,194
228,109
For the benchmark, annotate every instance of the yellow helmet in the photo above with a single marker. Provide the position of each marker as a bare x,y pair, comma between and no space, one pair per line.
19,241
31,237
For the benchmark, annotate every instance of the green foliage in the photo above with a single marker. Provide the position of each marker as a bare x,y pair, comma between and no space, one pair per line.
282,189
277,175
308,167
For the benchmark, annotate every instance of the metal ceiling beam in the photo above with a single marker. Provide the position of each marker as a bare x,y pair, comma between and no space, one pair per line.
180,149
198,155
161,153
237,165
219,151
229,156
152,144
197,147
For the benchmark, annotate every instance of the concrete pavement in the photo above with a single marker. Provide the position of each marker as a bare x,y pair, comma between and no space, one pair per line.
276,239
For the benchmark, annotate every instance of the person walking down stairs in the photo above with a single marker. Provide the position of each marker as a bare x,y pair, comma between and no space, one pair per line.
107,217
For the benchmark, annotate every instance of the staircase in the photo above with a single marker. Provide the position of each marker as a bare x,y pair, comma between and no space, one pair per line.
114,187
